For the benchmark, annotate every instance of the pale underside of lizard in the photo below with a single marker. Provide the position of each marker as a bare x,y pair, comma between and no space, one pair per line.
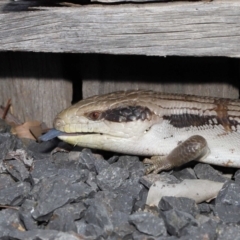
172,129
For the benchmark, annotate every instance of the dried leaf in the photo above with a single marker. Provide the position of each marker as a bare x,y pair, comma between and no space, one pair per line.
31,130
9,118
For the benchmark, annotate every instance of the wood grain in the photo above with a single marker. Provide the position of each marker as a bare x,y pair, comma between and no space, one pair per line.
35,85
161,29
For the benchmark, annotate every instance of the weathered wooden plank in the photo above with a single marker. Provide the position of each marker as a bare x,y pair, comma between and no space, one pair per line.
216,77
35,85
162,29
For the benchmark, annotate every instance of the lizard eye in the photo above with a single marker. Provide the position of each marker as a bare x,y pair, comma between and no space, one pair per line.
94,116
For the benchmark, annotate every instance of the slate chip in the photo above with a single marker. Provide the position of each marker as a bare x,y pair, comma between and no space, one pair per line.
8,142
54,192
179,203
227,205
6,180
92,181
237,176
43,168
228,231
140,203
25,214
141,236
148,223
98,215
204,208
112,178
185,173
207,230
132,164
100,164
9,222
41,234
14,194
176,221
17,170
205,171
121,225
63,219
87,160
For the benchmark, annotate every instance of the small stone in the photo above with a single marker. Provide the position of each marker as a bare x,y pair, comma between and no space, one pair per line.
227,205
9,222
131,187
228,232
95,232
228,213
132,164
115,202
17,170
43,168
122,228
205,171
237,176
63,219
87,160
204,208
92,181
81,226
100,163
60,157
47,193
74,155
179,203
26,216
140,204
208,230
185,173
98,214
74,175
140,236
6,180
111,178
45,234
229,194
176,221
148,223
14,194
113,159
8,142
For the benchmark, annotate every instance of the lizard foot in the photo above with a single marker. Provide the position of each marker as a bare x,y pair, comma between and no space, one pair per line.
194,148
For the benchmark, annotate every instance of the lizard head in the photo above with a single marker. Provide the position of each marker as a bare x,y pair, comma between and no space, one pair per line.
108,122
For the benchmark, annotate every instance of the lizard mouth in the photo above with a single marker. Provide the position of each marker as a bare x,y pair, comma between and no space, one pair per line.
53,133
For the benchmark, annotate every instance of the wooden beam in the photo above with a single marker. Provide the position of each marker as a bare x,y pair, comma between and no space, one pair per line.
161,29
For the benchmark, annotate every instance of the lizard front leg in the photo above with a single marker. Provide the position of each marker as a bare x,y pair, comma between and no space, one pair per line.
193,148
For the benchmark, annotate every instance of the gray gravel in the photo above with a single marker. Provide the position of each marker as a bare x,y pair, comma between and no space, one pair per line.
80,195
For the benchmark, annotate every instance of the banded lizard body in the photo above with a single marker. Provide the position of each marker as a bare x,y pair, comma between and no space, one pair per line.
173,129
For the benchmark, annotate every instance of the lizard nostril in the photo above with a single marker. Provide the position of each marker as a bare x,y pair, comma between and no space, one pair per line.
58,123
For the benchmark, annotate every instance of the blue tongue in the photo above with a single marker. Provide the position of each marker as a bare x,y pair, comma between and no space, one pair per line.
50,135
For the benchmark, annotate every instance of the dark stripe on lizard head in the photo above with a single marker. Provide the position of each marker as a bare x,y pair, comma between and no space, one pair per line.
121,114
